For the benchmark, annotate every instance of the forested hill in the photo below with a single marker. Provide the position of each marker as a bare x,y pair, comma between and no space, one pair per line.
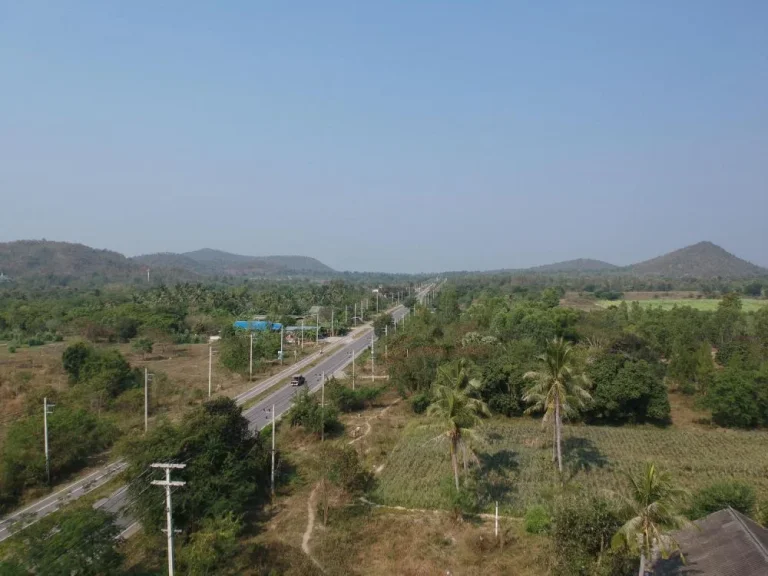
217,262
702,260
67,263
578,265
41,258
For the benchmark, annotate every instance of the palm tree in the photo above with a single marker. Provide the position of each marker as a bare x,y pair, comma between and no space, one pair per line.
557,390
650,504
457,412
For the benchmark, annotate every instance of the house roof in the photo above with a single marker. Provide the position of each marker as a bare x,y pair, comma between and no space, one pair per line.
727,543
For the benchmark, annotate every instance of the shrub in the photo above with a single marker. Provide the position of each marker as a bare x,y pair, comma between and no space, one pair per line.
721,495
420,402
348,400
12,349
537,520
307,413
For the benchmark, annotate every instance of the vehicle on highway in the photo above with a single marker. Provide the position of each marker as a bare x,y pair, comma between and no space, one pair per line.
297,380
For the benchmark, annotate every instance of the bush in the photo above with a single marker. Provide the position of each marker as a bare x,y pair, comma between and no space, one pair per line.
420,402
537,520
348,400
307,413
736,399
12,349
721,495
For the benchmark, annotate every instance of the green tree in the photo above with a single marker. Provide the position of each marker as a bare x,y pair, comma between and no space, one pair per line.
381,324
724,494
143,345
651,507
74,358
738,398
77,542
557,389
456,412
227,466
209,549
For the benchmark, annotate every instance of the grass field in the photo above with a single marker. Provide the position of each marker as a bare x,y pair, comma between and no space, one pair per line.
517,468
749,305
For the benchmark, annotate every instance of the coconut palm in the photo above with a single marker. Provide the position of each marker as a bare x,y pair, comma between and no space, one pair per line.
650,504
457,412
557,390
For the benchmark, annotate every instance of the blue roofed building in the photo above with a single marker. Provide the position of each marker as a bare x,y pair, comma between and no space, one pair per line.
258,325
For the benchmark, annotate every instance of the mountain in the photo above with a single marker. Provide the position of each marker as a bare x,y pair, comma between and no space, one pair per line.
702,260
217,262
37,258
578,265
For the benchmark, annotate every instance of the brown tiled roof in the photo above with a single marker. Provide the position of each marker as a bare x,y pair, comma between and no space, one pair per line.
727,543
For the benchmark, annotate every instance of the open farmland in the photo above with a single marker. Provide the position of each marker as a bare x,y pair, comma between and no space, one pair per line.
517,468
708,304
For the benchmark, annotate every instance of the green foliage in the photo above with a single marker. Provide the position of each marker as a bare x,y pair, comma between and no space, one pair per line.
381,322
310,415
342,467
99,370
420,402
581,533
74,436
227,466
143,345
739,397
348,400
537,520
234,348
210,549
76,542
625,390
720,495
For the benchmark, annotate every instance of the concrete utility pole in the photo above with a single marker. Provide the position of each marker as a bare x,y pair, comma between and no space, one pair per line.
167,484
147,275
210,368
302,333
322,408
317,329
373,360
377,302
354,317
47,409
282,334
147,377
273,451
497,520
346,315
353,368
250,360
332,334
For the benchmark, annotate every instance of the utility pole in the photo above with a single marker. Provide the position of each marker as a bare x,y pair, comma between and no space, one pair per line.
147,275
353,368
147,377
355,315
47,409
346,315
497,520
282,334
273,451
322,409
332,334
317,329
377,301
302,333
250,360
210,368
373,360
167,484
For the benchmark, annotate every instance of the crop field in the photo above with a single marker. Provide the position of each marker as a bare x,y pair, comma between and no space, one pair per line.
517,469
709,304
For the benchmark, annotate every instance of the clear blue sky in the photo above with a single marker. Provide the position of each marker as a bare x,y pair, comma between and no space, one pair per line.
396,136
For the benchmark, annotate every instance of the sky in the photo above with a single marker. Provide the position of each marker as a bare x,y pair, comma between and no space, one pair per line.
387,136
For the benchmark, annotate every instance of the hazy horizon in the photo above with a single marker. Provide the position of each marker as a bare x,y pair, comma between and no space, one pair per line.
391,137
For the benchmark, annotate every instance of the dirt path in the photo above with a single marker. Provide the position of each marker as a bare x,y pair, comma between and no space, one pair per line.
311,506
368,427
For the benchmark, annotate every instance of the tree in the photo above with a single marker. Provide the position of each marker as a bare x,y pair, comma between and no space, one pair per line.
737,399
650,506
381,322
143,345
74,358
557,389
209,549
77,542
456,412
227,466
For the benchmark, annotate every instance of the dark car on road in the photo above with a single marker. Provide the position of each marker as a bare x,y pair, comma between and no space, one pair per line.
297,380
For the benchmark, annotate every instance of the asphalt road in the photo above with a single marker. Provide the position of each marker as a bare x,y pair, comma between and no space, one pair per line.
259,415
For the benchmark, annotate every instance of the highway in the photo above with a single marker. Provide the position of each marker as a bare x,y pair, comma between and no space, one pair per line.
259,416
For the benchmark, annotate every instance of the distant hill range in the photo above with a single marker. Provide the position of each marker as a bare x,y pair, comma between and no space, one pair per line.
702,260
30,259
578,265
215,262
